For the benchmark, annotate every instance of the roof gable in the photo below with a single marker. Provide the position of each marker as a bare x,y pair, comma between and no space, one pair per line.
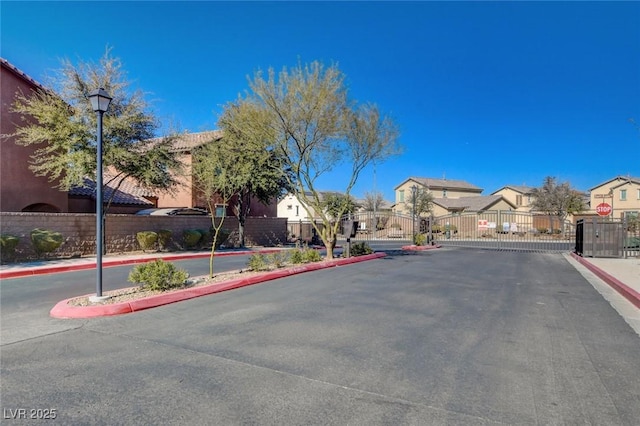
522,189
477,203
620,179
432,183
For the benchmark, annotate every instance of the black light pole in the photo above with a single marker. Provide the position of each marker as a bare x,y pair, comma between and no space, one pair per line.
100,101
414,190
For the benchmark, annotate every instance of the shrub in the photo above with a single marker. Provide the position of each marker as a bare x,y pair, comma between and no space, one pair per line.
310,255
296,257
419,239
360,249
158,275
147,240
8,243
257,262
45,241
191,237
277,259
164,236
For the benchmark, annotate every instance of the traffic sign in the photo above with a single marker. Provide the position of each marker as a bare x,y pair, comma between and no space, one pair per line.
603,209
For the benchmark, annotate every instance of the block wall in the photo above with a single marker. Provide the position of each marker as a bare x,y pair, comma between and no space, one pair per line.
79,231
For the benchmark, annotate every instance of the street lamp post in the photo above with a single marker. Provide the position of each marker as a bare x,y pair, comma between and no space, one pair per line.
100,101
414,191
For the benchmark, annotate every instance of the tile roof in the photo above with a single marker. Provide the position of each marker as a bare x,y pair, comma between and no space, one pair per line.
477,203
523,189
620,179
432,183
188,141
128,193
23,75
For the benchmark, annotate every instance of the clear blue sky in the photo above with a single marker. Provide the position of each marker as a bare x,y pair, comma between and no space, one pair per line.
494,93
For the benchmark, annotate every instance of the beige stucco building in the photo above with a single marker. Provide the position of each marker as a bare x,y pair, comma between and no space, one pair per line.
622,193
517,195
440,188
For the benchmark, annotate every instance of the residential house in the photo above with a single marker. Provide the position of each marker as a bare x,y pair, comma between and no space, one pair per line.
20,189
439,188
186,193
477,204
622,193
518,195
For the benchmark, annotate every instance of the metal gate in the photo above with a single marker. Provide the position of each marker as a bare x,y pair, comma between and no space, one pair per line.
598,237
504,229
381,226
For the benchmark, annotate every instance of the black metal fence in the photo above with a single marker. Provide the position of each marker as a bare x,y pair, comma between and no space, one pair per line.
598,237
504,229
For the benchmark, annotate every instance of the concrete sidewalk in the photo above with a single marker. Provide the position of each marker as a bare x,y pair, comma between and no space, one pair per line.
623,275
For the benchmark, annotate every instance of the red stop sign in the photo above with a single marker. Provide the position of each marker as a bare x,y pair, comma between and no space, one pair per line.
603,209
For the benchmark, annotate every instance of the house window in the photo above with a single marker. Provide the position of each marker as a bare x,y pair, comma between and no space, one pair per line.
638,194
518,200
444,193
220,210
297,210
401,196
289,207
623,195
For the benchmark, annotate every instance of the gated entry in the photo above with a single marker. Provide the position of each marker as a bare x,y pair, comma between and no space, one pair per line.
598,237
380,226
500,229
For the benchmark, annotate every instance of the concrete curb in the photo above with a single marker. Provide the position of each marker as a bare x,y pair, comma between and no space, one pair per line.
420,248
64,310
42,270
630,294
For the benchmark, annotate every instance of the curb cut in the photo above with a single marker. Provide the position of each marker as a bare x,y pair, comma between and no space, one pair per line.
627,292
420,248
110,263
63,310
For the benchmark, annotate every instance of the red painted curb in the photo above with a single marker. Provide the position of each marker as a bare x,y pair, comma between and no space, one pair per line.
630,294
63,310
110,263
420,248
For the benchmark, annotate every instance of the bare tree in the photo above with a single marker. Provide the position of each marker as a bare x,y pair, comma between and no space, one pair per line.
557,200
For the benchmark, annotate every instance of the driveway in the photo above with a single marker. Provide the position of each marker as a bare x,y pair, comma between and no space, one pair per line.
451,336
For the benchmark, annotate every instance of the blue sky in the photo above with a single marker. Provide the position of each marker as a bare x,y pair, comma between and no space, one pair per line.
494,93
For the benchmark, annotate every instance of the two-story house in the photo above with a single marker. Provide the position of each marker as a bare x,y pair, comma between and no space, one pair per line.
518,195
622,193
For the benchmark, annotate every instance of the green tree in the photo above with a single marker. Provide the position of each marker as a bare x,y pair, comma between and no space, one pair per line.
260,172
314,127
62,125
337,205
557,200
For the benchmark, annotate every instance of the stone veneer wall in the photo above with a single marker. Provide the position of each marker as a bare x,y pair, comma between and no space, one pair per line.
78,230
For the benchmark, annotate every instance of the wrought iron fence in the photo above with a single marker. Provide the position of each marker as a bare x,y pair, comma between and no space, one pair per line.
504,229
600,237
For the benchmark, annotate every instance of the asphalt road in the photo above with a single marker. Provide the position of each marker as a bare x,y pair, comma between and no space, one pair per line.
25,302
450,336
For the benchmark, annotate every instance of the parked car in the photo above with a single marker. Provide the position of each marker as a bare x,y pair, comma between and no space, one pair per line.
177,211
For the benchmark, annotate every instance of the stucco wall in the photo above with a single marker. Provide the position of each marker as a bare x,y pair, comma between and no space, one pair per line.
120,230
19,187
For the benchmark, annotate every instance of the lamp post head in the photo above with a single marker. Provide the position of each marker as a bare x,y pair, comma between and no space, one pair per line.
100,100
